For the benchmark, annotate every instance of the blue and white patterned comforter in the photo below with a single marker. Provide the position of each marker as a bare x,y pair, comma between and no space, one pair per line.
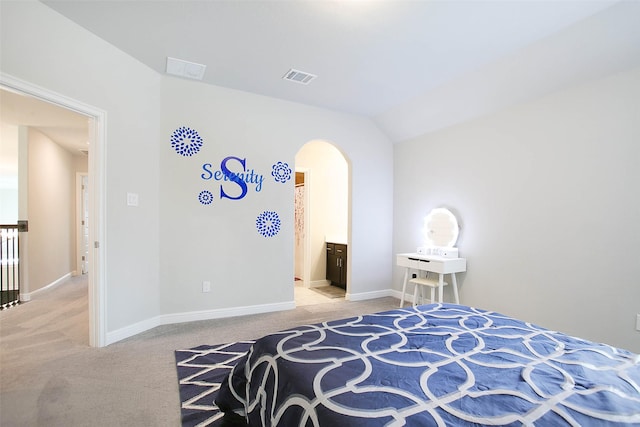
433,365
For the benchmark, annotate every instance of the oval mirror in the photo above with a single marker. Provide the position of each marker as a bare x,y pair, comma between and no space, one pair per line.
441,228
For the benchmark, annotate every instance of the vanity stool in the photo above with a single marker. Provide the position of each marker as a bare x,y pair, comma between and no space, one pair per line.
434,284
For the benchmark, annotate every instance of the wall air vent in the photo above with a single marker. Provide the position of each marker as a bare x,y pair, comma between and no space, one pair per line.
299,76
189,70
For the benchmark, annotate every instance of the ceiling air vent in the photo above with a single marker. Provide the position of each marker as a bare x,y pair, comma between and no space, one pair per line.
181,68
299,76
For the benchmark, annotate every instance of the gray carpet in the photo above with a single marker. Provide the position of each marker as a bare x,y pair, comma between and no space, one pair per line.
49,376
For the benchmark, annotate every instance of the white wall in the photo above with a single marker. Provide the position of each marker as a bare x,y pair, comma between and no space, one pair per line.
328,189
43,48
532,187
51,201
49,205
547,197
8,173
219,242
158,253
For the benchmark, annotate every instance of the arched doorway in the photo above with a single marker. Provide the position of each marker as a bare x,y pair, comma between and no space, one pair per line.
322,203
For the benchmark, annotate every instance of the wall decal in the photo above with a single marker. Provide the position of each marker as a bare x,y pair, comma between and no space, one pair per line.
238,180
268,223
205,197
186,141
281,172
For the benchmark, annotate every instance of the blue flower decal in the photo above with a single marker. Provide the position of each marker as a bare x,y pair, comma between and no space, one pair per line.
268,223
205,197
281,172
186,141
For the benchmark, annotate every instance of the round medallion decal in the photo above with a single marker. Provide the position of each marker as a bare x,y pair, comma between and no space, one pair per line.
268,223
186,141
205,197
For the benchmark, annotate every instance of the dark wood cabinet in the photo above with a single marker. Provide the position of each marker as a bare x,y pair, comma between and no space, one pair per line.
337,264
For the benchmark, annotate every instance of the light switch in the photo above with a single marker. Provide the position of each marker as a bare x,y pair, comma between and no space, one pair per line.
132,199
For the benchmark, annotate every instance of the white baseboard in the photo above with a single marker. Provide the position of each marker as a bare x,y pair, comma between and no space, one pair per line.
408,297
361,296
131,330
192,316
398,295
27,295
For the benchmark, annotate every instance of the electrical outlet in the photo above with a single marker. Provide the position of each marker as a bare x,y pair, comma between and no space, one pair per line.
637,322
206,286
132,199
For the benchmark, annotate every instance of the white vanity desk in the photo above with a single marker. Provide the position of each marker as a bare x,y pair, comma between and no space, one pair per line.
434,264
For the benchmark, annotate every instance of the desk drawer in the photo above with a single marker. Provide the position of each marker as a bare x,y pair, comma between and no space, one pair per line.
420,264
428,265
442,266
403,261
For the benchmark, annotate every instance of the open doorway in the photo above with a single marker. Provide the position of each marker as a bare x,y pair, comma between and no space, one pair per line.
321,213
94,134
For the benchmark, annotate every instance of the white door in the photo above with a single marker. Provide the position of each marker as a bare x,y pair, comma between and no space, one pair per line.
85,224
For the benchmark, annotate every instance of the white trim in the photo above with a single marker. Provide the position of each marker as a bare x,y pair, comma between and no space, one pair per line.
97,231
27,296
225,312
192,316
97,197
398,294
369,295
78,220
131,330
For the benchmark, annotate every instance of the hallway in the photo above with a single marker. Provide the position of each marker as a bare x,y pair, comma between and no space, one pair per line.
58,315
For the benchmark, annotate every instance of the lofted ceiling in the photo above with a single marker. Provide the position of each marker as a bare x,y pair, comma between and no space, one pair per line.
411,66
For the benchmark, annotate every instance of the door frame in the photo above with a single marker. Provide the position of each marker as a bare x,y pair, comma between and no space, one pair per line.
97,197
80,196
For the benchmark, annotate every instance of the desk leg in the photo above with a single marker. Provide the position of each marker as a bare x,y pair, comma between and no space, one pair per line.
455,288
440,286
404,286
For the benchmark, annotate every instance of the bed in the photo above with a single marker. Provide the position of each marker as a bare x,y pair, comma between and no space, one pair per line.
431,365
